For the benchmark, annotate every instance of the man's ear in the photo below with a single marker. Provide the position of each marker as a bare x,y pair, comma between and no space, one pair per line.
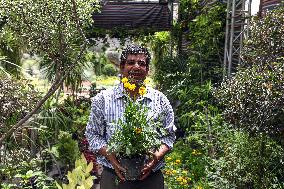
147,69
121,67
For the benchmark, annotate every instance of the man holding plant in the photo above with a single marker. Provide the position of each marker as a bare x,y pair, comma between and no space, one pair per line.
123,120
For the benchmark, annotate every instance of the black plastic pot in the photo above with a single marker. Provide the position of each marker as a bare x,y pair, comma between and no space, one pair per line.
133,166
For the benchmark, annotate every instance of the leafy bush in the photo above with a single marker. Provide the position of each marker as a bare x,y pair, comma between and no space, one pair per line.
171,72
68,148
80,176
265,44
24,175
35,179
184,166
240,164
109,70
197,150
17,97
253,102
70,116
253,99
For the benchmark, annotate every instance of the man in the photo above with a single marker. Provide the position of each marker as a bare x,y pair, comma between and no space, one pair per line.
107,108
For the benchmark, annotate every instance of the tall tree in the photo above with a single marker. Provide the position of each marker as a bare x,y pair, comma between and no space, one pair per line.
53,29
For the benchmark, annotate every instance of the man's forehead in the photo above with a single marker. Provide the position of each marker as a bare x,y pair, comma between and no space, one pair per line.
135,56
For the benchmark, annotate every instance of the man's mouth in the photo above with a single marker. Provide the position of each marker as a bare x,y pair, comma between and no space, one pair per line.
135,73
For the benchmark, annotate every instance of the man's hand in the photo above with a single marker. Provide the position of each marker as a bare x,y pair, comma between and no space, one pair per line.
113,161
117,167
145,172
156,157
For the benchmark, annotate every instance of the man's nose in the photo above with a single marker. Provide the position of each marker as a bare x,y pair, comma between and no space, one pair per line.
136,64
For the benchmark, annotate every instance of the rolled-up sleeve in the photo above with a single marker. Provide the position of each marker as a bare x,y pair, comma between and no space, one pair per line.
95,130
168,122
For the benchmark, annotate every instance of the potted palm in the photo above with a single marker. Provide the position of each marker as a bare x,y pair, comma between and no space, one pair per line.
135,136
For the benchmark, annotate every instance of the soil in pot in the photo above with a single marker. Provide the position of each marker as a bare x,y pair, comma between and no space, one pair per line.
133,166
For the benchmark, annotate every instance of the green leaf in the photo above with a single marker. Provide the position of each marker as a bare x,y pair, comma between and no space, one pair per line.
58,186
89,167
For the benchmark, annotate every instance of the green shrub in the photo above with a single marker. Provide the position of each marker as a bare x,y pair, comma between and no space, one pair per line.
265,43
68,148
253,103
240,165
109,70
80,176
253,99
35,179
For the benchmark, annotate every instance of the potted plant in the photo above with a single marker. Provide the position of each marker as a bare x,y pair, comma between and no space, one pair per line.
136,135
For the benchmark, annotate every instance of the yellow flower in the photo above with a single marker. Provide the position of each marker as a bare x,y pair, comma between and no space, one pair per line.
124,80
126,85
132,87
179,179
168,172
184,181
146,81
199,187
184,172
142,90
168,158
195,152
174,171
138,130
177,161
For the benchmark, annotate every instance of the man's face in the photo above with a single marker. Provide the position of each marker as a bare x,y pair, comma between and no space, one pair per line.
135,68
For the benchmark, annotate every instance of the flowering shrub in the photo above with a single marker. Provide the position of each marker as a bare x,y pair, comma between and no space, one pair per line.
178,175
137,134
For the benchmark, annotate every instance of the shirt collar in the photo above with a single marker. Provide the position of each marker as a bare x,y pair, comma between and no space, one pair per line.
120,92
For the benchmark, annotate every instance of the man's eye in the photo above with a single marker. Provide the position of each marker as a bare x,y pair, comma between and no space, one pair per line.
141,63
130,62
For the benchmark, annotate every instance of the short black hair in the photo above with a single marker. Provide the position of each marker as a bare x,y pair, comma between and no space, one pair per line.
134,49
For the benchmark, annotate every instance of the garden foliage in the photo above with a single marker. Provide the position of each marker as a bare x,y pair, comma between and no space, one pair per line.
238,141
79,177
53,30
253,102
253,99
109,70
17,98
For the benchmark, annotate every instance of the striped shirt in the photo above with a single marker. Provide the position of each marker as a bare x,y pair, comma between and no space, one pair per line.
108,107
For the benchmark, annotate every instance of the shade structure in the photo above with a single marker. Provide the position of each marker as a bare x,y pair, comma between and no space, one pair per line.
133,15
267,5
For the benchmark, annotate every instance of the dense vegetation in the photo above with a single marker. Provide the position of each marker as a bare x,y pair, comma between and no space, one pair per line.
233,129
